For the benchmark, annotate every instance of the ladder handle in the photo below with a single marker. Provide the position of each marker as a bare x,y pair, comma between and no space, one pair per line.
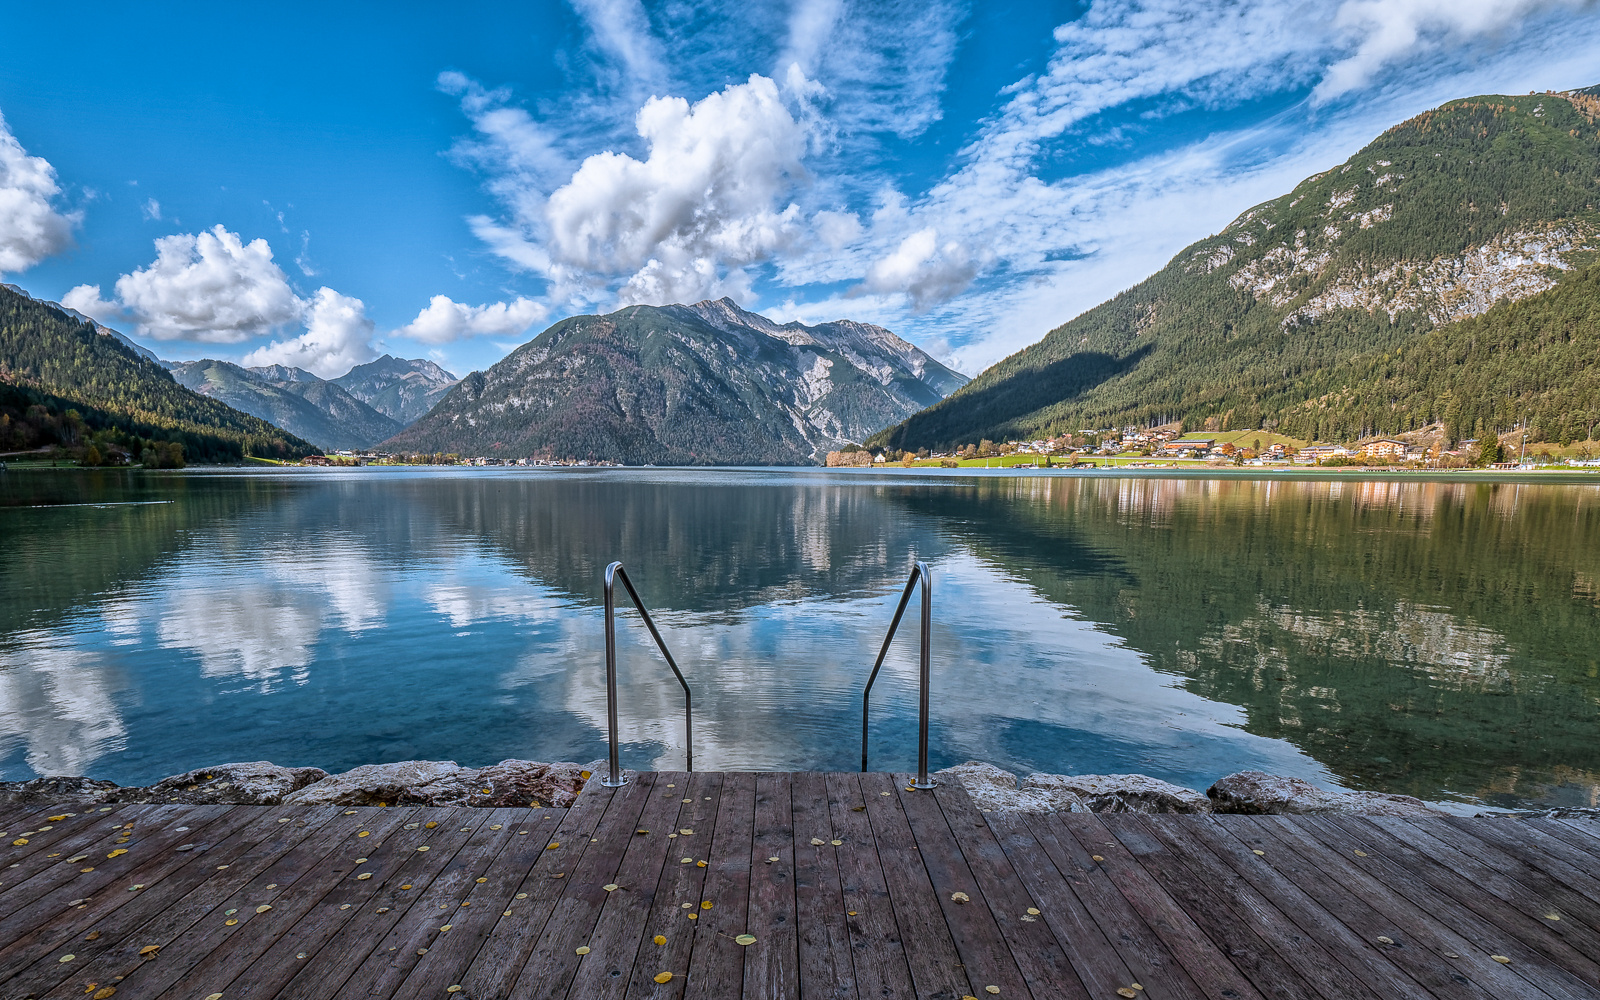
920,573
615,778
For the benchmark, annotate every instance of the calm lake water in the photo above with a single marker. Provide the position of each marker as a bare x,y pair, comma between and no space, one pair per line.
1440,639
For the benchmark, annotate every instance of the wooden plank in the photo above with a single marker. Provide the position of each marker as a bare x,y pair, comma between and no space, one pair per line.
771,965
301,885
553,959
346,925
1030,943
504,954
1149,959
1572,905
1189,945
62,917
1531,847
493,899
1585,827
1585,843
1097,964
716,962
822,906
682,881
1217,893
930,948
432,916
1498,899
128,929
1413,930
624,911
876,955
1406,883
196,940
40,865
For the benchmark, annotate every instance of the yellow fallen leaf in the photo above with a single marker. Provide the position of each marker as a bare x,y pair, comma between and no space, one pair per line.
453,989
1501,959
1136,986
816,841
849,913
522,895
1361,854
467,903
772,859
1123,991
688,800
150,949
552,845
92,936
686,833
1259,854
702,864
482,880
611,887
1033,911
230,921
884,793
836,843
660,939
73,861
694,916
264,907
382,909
349,812
685,861
85,871
66,958
56,819
1096,857
406,886
991,989
663,977
583,949
424,847
446,927
506,914
107,991
119,852
688,906
960,897
585,775
496,826
705,904
1552,916
745,939
1383,939
363,876
344,906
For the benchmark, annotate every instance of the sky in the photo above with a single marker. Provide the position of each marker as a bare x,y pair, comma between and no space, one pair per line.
318,184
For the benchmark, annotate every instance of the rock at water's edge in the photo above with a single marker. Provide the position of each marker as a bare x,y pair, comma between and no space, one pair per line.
1112,793
256,783
1260,794
518,783
994,789
56,789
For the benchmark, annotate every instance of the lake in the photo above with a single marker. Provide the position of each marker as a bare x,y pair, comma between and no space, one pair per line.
1436,638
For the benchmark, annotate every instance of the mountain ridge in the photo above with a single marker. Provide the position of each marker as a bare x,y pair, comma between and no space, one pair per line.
296,400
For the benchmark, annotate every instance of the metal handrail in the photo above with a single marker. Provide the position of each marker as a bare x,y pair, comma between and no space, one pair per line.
925,575
616,779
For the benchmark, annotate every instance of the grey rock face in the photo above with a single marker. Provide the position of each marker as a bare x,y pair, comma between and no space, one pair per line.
56,789
1109,793
446,783
1257,793
258,783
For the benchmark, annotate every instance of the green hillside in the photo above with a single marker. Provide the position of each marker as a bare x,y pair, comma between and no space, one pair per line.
58,363
1479,201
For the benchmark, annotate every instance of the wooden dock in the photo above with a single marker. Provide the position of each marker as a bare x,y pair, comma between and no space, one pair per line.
720,885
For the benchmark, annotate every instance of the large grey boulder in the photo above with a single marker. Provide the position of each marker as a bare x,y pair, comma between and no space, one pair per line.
1111,793
1257,793
255,783
77,790
445,783
994,789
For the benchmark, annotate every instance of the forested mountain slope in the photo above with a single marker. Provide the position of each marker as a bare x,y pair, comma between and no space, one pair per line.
52,359
702,384
1480,201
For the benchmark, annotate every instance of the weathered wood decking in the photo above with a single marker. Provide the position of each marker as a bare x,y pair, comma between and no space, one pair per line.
851,885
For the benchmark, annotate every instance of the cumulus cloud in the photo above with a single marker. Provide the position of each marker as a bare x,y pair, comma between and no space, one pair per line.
86,299
444,320
31,228
925,271
338,337
210,286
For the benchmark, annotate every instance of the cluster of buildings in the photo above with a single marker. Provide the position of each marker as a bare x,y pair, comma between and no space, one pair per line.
354,458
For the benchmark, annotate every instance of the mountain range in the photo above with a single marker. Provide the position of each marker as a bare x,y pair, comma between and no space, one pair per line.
702,384
64,378
1289,316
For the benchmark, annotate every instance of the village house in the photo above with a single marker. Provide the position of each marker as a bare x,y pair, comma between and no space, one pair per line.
1384,448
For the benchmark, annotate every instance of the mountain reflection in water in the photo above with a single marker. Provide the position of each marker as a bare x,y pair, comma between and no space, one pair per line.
1433,638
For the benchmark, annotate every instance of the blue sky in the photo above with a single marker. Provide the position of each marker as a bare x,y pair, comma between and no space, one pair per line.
316,184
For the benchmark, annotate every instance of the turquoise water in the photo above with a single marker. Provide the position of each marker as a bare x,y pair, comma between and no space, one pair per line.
1434,638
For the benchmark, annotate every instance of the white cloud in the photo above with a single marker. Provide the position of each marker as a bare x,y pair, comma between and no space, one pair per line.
925,271
621,30
151,209
210,286
86,299
444,320
338,337
705,199
31,229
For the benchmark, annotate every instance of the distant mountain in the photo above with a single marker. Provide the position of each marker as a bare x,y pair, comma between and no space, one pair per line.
295,400
703,384
1478,202
399,389
53,358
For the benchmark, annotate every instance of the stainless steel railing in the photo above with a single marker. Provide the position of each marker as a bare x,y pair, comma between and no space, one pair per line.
616,779
918,573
